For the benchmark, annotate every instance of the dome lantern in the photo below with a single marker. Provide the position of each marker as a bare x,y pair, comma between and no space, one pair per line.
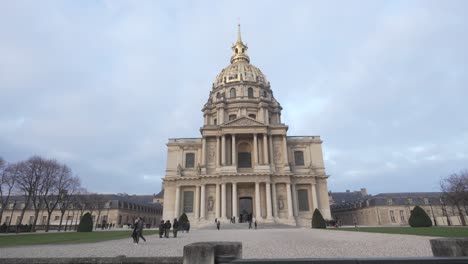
239,49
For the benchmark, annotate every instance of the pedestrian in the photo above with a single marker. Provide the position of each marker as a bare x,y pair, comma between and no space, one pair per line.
255,223
188,226
135,232
175,227
233,219
161,229
140,226
218,224
216,221
250,224
167,227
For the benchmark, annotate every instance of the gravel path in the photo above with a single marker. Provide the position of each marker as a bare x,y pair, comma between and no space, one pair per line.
261,243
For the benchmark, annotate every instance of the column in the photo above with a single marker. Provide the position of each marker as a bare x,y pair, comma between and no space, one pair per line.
197,202
203,155
275,205
271,149
233,155
290,205
285,150
268,200
223,150
202,202
294,200
234,201
255,149
313,194
217,151
177,202
258,212
217,202
265,149
223,201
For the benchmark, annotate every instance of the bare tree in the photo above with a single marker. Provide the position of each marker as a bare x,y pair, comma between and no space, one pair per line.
66,190
30,173
98,203
9,174
455,189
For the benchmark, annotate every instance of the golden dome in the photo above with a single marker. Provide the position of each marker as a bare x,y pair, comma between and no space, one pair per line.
240,68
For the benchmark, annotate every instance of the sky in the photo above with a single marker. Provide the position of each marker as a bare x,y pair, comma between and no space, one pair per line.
102,85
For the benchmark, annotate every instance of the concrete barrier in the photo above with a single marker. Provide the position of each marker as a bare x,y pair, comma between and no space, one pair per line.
449,247
112,260
212,252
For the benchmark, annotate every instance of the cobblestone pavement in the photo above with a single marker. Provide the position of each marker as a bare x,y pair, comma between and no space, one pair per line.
261,243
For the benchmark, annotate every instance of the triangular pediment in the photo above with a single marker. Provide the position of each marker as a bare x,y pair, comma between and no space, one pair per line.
244,121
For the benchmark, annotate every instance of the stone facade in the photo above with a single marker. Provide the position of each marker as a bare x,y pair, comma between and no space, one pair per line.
244,165
391,209
115,210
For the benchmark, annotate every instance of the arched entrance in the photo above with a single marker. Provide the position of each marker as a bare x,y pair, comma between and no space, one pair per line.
244,156
245,209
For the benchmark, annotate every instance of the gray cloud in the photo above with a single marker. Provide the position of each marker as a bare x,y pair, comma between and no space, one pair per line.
102,86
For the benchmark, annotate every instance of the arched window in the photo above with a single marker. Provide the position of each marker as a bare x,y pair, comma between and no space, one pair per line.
236,50
233,92
250,92
215,122
264,94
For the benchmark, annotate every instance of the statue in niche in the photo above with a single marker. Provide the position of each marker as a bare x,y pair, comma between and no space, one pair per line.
280,202
210,204
211,154
179,170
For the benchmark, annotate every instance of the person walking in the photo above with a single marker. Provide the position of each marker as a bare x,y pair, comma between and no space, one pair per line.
140,226
135,232
167,227
250,224
175,227
218,224
188,226
161,228
255,223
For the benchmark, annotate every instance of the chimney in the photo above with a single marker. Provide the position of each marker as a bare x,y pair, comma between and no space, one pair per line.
363,191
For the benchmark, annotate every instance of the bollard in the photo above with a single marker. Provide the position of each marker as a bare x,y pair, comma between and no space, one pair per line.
449,247
212,252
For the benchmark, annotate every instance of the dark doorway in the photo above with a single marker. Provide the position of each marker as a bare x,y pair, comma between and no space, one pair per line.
245,209
245,159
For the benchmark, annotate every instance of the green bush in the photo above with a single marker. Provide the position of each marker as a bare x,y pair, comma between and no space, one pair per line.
183,219
86,223
419,218
317,220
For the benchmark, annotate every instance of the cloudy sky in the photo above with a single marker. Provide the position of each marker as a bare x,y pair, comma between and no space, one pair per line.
102,85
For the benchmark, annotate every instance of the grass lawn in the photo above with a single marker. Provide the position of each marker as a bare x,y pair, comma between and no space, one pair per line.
65,238
435,231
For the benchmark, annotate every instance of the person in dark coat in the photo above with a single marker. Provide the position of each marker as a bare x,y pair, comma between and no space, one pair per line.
175,227
140,226
255,223
135,232
188,226
167,227
161,229
218,224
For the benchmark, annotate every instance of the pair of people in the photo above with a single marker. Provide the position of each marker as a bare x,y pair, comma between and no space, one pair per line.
138,230
164,228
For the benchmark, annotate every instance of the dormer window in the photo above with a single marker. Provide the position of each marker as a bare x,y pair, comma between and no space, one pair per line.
232,117
250,92
189,160
299,158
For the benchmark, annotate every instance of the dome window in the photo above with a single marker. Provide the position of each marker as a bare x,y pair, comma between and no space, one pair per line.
250,92
233,93
237,50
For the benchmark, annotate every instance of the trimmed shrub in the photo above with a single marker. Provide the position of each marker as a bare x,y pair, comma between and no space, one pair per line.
317,220
183,219
86,223
419,218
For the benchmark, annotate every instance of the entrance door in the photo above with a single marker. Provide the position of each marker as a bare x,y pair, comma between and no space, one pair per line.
245,159
245,209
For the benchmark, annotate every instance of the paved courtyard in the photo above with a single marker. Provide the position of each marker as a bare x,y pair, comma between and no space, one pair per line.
261,243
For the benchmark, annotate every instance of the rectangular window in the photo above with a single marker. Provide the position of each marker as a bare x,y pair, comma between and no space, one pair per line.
188,202
44,220
189,160
57,218
70,217
299,158
7,220
303,200
31,219
392,216
18,218
402,216
232,117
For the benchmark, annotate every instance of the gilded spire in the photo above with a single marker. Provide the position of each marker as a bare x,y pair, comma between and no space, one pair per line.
239,49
